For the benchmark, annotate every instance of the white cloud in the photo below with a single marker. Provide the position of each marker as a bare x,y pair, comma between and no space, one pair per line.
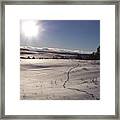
55,50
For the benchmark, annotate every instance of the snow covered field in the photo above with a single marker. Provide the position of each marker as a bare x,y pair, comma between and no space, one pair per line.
59,79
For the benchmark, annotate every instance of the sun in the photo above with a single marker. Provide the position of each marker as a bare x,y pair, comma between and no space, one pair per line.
29,28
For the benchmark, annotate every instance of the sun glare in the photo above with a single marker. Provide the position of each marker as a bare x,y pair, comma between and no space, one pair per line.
30,28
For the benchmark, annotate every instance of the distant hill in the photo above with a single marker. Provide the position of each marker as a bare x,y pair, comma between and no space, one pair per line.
28,52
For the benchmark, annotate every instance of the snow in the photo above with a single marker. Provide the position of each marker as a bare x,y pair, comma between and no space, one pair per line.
59,79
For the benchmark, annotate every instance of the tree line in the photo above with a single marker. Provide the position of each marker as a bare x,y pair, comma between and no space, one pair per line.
94,56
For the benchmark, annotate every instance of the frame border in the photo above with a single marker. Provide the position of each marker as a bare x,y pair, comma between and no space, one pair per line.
2,60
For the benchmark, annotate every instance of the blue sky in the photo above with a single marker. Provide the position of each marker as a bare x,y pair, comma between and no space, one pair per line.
66,34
